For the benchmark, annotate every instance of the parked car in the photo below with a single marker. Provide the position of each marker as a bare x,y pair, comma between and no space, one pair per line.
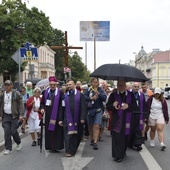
167,93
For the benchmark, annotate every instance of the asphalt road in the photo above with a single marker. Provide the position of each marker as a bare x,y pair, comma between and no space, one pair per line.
30,158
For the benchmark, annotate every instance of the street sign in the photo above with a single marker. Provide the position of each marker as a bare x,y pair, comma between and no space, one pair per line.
28,52
16,57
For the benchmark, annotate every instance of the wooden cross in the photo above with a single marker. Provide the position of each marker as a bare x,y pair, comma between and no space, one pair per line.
66,47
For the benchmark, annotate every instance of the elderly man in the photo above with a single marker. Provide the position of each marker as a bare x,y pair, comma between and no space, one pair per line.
74,116
139,118
121,102
11,111
147,93
51,105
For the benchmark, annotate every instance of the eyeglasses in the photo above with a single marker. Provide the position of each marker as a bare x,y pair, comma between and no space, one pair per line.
37,92
52,84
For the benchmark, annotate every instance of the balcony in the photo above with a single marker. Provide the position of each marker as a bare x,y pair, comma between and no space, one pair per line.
46,65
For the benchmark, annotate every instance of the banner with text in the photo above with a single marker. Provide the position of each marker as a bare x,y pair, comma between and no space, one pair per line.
100,30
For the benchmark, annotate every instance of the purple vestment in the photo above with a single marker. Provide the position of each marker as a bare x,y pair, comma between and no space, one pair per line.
118,125
72,119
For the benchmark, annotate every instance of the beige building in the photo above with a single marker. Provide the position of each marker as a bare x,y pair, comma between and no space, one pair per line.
41,69
155,65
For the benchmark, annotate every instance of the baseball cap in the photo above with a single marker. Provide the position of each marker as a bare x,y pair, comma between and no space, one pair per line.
8,82
157,90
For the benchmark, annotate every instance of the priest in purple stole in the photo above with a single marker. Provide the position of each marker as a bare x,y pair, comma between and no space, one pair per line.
121,103
139,119
74,116
51,106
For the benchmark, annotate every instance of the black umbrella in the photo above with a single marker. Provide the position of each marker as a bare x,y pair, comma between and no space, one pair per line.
118,71
41,134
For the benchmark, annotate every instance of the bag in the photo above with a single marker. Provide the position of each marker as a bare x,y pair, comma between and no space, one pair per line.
105,116
89,105
93,112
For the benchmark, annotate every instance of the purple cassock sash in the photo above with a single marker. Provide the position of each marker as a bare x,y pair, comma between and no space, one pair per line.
141,124
54,112
72,121
118,125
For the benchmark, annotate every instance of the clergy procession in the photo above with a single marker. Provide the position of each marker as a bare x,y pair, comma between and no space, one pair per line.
60,118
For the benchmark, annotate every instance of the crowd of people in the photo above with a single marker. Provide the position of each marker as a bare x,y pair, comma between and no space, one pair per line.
76,112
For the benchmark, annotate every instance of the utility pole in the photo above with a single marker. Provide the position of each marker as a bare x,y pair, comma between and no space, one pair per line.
66,47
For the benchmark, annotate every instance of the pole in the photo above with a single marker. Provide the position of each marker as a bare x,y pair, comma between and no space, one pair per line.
86,54
19,69
94,53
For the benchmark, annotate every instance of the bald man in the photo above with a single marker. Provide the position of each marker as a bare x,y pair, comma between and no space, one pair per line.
139,117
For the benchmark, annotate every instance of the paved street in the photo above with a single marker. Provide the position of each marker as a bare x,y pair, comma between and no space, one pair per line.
30,158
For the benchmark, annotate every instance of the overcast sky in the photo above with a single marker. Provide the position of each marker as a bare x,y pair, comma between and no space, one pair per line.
133,23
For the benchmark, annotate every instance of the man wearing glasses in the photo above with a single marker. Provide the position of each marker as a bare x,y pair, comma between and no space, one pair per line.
51,105
139,117
11,111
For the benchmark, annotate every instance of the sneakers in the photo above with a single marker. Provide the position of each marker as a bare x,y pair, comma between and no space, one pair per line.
33,143
7,152
18,147
152,143
163,147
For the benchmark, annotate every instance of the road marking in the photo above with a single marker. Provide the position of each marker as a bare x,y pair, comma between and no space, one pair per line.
149,159
76,162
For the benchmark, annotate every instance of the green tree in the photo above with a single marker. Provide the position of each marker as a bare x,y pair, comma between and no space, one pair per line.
58,40
17,26
78,69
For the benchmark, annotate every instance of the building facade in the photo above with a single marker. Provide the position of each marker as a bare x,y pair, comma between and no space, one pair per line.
41,69
156,67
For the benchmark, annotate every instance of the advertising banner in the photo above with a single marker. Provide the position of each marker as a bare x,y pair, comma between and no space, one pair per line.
100,30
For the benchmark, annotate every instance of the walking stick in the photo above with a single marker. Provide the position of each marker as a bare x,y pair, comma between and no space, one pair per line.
41,134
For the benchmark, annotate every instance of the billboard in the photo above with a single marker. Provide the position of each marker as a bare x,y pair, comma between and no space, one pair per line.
100,30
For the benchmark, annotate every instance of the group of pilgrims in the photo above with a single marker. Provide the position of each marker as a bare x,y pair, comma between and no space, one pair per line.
74,112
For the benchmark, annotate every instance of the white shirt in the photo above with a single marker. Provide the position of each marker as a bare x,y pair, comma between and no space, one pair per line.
156,109
7,102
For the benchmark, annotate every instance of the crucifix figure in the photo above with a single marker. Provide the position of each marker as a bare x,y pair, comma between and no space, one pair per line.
66,47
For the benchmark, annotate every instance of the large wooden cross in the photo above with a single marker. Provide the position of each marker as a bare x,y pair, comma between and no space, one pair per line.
66,47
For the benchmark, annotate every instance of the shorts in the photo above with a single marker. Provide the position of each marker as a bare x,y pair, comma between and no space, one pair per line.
97,119
154,122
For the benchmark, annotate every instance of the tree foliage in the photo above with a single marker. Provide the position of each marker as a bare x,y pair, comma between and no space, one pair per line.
19,25
78,69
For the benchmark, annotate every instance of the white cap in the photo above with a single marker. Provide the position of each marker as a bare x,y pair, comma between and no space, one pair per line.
157,90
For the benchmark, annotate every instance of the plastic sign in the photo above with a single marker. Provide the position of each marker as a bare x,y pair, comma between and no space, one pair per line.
28,52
